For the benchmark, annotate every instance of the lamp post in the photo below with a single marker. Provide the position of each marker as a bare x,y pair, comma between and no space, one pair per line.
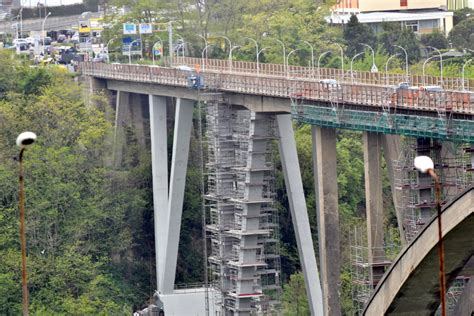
342,59
258,59
205,41
21,21
227,39
23,140
204,51
284,52
287,60
440,63
107,48
406,61
319,62
230,56
386,68
463,68
312,57
374,66
130,50
352,61
423,68
42,28
153,49
424,164
256,45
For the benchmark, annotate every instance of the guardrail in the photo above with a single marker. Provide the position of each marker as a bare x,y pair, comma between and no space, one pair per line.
297,87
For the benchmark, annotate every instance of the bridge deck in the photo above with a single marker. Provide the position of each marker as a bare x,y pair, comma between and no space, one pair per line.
438,114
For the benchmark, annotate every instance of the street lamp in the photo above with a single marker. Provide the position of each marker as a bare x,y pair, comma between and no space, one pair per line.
42,28
288,59
406,61
386,68
21,21
424,164
284,51
423,68
256,46
463,68
130,50
312,57
205,41
440,61
342,59
319,62
230,56
204,51
227,39
23,140
374,66
153,49
258,64
352,61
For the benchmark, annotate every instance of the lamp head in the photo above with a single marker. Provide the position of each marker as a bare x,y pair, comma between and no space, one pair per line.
25,139
423,164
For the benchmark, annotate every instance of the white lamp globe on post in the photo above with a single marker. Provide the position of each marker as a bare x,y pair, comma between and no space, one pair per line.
424,164
23,140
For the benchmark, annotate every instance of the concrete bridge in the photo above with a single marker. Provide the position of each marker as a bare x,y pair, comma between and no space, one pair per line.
260,108
411,285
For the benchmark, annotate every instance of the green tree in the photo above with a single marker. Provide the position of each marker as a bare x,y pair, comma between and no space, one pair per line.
461,15
388,36
356,33
409,41
462,35
435,39
294,298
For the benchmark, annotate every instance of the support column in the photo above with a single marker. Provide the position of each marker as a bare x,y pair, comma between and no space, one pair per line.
325,179
299,214
122,113
374,204
172,225
391,149
159,167
136,110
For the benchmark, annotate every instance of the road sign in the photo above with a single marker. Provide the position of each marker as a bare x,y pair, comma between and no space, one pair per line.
146,28
374,68
129,28
84,26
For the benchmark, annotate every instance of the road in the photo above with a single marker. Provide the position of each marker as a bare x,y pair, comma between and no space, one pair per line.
52,23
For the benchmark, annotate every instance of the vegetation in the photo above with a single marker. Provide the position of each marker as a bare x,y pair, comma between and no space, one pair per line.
90,226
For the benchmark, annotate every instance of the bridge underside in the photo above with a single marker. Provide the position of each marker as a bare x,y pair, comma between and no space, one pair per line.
411,286
443,126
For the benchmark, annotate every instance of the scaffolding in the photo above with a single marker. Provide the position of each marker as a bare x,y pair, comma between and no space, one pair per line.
452,164
243,221
368,265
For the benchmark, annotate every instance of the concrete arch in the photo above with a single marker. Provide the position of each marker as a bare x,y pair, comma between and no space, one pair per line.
411,285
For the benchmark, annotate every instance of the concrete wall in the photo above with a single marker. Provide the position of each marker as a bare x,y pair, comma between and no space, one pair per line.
388,5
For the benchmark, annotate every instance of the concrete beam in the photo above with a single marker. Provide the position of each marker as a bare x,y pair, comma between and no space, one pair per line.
182,134
252,102
325,179
299,213
159,167
373,195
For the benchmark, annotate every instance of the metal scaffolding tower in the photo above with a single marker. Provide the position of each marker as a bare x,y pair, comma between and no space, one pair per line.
452,164
243,227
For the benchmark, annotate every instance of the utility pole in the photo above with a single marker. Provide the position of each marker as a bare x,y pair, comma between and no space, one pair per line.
170,39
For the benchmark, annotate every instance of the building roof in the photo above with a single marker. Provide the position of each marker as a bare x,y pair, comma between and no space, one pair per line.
375,17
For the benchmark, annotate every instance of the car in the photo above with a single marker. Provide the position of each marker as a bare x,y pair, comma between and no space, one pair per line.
19,41
61,38
100,58
30,40
432,88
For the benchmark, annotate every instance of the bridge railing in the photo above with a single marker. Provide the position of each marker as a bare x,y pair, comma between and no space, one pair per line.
296,88
364,77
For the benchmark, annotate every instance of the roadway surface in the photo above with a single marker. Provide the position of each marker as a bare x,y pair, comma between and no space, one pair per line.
52,23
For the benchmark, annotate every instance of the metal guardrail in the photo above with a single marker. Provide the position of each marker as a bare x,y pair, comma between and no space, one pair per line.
303,88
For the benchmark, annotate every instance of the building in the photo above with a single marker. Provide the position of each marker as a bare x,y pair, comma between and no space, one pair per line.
7,5
460,4
422,16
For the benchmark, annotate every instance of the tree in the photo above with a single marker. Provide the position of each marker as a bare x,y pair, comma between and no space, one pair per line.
462,35
435,39
295,302
389,35
356,33
409,41
461,15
